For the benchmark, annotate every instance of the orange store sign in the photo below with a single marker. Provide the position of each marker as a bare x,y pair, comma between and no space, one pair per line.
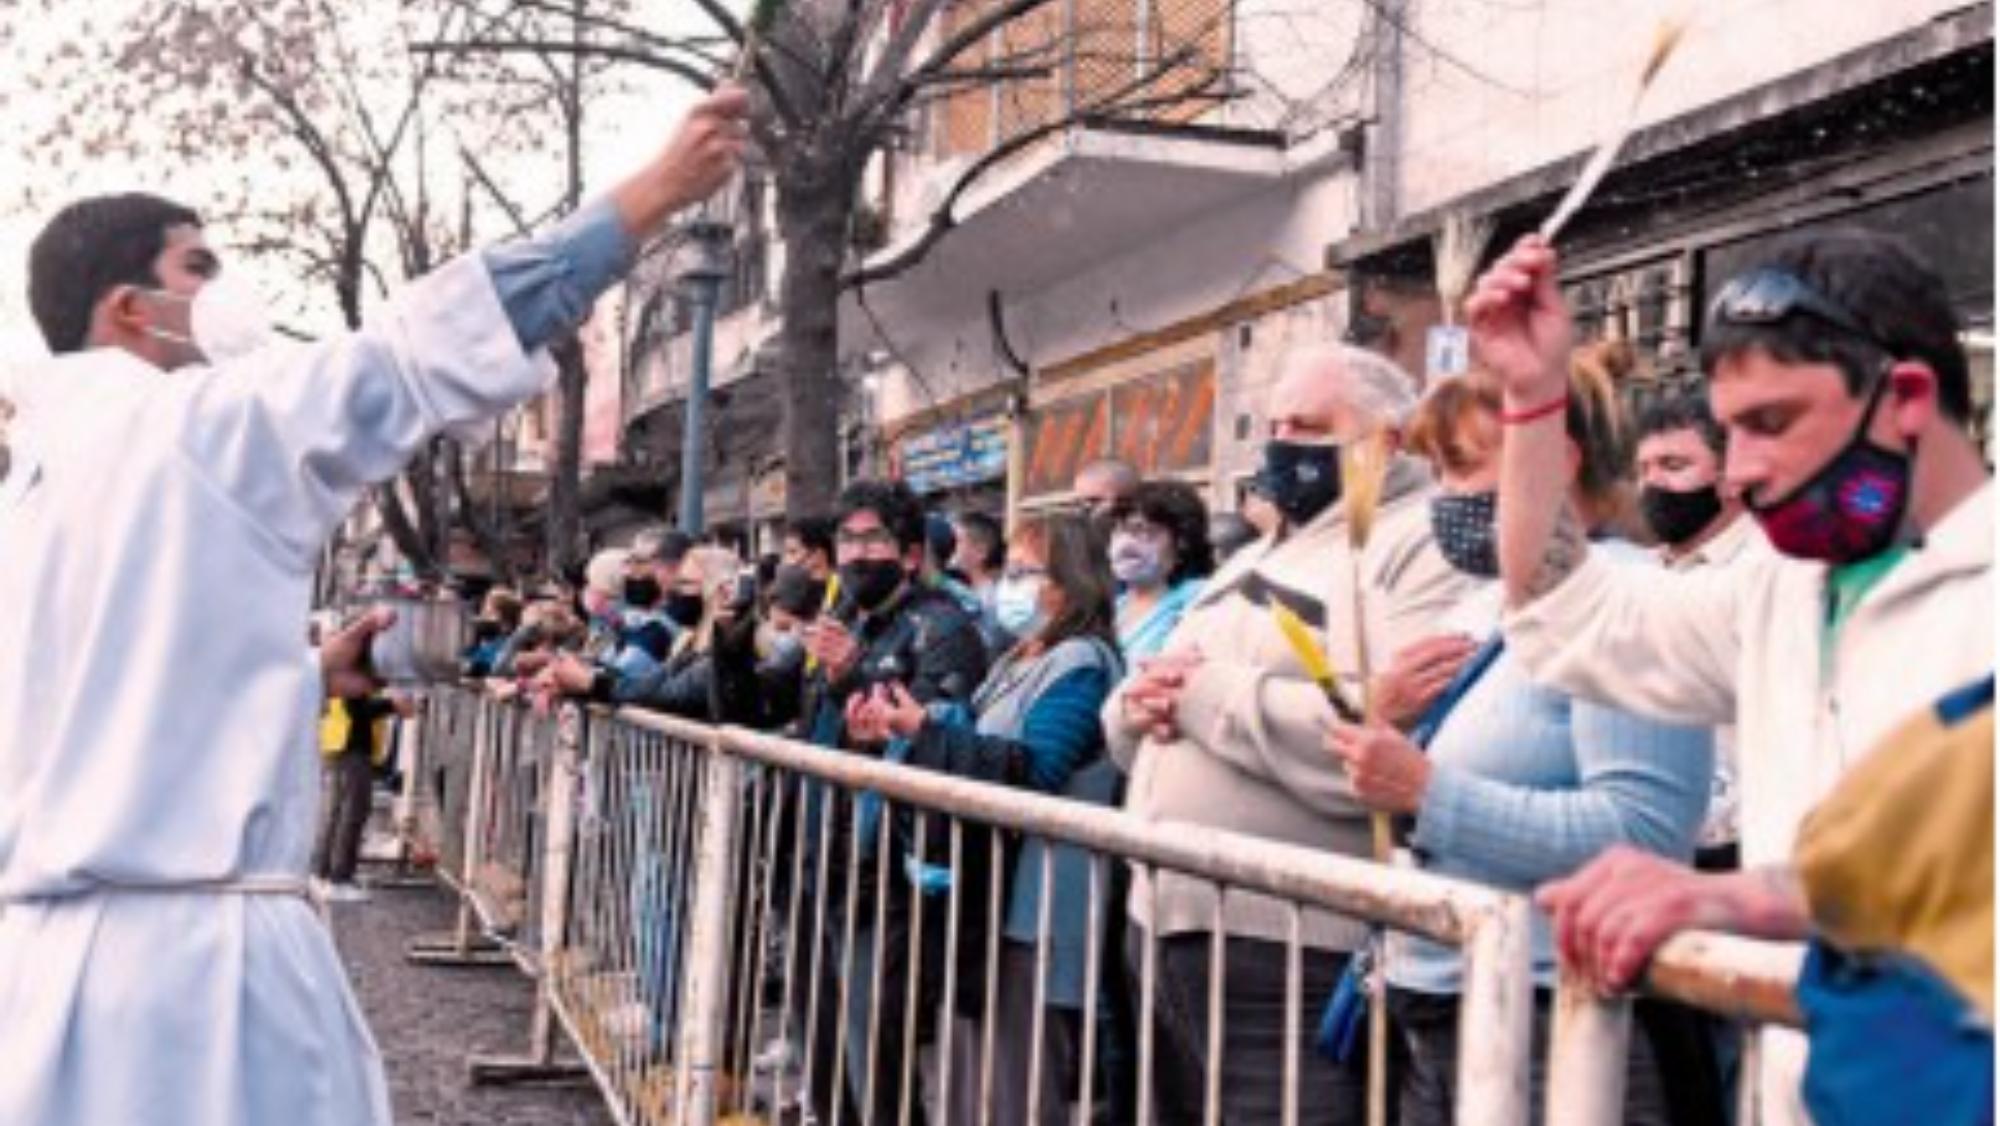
1162,423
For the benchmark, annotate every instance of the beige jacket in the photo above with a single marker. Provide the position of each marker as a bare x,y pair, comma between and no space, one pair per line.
1743,643
1249,757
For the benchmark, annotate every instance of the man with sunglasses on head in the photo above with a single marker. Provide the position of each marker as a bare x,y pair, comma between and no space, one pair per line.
1834,367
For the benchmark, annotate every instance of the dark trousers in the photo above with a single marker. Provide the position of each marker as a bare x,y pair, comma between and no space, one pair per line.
1253,1033
825,1036
347,798
1428,1090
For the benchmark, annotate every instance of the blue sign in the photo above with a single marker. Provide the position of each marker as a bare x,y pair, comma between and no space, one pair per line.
954,456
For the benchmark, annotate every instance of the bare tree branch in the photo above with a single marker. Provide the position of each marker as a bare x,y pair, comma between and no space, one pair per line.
882,80
634,55
969,36
953,80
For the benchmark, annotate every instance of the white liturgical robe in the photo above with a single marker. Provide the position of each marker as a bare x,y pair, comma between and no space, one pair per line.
158,534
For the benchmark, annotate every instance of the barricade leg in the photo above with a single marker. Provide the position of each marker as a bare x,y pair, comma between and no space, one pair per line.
464,946
539,1064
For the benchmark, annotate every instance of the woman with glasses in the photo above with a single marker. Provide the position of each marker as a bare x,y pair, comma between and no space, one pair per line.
1033,724
1161,554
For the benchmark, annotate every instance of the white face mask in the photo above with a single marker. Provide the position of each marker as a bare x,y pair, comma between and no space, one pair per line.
226,318
1017,605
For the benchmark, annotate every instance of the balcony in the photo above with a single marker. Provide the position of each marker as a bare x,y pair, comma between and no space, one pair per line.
1111,127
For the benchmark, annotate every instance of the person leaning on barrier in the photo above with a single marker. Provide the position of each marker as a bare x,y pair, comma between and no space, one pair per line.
1508,784
705,601
1835,368
598,601
1891,880
1032,724
158,960
499,616
1223,729
646,632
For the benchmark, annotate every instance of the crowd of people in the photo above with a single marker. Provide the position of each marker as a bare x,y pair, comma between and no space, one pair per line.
1626,640
1727,665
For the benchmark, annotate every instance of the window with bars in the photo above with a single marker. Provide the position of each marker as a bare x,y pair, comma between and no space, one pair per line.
1649,305
1086,53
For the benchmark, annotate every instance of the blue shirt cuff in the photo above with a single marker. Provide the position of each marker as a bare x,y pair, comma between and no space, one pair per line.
548,283
1439,812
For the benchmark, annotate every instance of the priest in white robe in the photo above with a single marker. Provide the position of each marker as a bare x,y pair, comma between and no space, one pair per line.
159,525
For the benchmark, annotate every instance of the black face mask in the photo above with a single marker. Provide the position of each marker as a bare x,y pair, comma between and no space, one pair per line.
1462,524
1304,479
641,592
486,629
1676,515
684,610
871,582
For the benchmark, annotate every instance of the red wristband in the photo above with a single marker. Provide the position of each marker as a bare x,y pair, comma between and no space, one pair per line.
1517,418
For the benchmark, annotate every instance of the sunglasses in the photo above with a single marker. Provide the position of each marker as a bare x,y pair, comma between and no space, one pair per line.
1767,295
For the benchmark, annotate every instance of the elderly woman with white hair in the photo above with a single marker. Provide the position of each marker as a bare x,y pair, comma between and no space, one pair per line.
1223,729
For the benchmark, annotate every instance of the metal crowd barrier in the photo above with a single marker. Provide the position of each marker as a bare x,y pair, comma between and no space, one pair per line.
735,926
1741,979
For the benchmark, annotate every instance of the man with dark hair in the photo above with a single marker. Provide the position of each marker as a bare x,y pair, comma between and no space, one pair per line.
94,246
1679,463
887,626
1835,370
159,961
809,544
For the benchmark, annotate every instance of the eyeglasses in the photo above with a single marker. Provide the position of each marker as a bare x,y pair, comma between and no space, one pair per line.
1022,573
1138,527
1767,295
872,537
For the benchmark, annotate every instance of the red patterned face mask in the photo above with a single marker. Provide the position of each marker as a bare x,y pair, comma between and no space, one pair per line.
1848,511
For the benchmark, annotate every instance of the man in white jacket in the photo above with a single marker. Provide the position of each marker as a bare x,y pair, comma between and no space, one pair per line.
1836,370
159,962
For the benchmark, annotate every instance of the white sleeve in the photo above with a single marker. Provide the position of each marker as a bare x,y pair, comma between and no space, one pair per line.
1659,643
292,435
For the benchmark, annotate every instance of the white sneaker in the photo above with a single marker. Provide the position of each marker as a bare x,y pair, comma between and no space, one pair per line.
345,893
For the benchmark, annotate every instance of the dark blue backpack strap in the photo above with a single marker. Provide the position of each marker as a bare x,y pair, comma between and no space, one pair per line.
1482,659
1961,704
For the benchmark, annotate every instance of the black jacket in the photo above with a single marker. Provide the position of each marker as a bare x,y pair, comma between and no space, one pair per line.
924,640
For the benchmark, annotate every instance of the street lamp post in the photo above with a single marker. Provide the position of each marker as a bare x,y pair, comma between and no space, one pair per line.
705,264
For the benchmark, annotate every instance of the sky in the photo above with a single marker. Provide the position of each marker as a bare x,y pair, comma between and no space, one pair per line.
623,130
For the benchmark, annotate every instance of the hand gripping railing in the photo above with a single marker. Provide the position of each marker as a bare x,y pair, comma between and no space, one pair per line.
1732,977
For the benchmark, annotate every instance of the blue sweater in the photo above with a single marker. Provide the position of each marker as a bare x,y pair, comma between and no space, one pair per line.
1038,728
1528,784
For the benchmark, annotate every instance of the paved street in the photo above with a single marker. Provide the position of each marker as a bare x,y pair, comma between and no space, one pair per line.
428,1020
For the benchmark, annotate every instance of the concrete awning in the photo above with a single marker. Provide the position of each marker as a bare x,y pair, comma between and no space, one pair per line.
1084,195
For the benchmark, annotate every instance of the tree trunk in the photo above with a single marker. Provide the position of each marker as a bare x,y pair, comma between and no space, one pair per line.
491,540
402,530
813,210
565,526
